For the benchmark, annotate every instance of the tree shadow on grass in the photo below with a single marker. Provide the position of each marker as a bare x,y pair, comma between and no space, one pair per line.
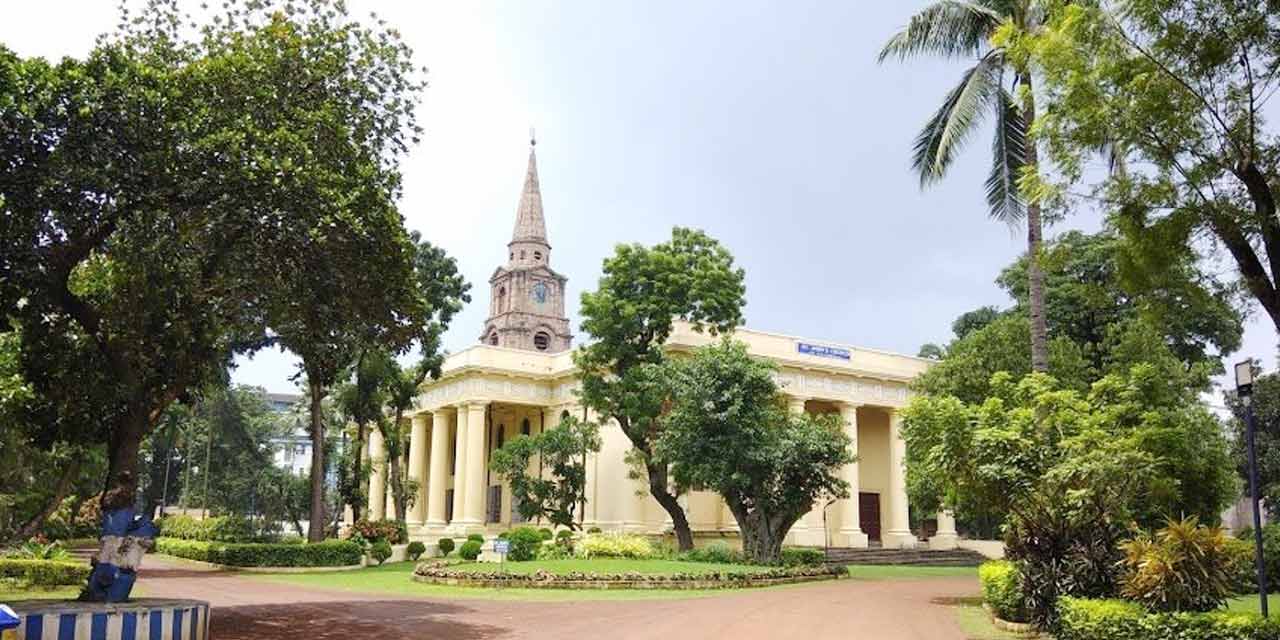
381,619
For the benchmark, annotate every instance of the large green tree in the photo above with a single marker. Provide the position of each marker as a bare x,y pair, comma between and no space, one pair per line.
979,29
1102,320
1178,90
168,199
721,400
629,316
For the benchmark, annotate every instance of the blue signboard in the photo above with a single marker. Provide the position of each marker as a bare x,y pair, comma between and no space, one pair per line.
502,546
822,351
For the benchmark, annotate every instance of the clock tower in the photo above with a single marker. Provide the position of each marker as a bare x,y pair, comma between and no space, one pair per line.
526,297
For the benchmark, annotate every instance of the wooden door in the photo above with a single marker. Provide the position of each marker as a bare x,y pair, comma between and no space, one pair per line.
869,514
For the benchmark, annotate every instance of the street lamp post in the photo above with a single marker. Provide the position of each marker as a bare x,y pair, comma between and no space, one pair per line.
1244,389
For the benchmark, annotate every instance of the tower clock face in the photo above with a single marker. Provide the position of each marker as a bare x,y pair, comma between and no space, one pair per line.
540,292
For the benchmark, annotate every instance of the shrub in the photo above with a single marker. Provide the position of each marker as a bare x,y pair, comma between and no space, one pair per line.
415,550
1244,571
1082,619
1002,590
34,549
371,531
546,533
1185,567
475,537
446,546
230,528
503,535
525,544
380,551
470,550
330,553
1270,554
594,530
802,557
614,545
555,552
564,537
44,573
718,552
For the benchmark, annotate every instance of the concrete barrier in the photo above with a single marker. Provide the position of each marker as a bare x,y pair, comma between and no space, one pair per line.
139,619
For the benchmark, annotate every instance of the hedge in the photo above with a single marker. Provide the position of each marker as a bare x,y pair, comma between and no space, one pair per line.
1084,619
219,528
1002,590
331,553
44,573
443,573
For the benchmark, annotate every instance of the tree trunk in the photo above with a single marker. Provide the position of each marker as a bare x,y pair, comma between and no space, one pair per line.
1035,238
396,480
356,499
658,489
762,536
316,519
60,491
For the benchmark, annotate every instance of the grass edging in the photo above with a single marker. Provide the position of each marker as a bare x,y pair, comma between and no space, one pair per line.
442,575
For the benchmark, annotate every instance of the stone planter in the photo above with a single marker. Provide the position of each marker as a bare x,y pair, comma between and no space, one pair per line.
138,619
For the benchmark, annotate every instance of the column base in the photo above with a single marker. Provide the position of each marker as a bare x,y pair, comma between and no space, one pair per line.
900,539
465,527
850,538
944,542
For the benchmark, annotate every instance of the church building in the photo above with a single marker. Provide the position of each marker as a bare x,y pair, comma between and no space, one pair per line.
520,379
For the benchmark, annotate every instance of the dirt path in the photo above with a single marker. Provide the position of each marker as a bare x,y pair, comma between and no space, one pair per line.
244,608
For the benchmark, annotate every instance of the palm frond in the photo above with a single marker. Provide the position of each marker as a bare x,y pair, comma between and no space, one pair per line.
1009,154
961,112
948,28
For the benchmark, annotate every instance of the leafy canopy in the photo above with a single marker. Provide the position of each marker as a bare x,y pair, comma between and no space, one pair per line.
554,493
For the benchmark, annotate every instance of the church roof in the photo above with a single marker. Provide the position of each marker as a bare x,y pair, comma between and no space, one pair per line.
530,225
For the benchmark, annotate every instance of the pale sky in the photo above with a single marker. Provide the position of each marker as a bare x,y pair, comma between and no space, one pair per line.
767,124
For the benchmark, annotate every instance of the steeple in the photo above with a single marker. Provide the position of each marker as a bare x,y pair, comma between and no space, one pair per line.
526,303
530,225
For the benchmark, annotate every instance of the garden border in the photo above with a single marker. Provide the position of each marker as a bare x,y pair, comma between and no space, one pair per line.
593,581
238,569
1020,628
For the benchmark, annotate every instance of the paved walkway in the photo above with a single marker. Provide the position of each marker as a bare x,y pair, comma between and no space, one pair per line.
249,608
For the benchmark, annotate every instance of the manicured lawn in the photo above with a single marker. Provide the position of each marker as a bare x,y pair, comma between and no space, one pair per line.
11,594
899,572
975,623
1250,603
606,565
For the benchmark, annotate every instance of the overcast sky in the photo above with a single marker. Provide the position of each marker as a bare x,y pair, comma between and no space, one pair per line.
767,124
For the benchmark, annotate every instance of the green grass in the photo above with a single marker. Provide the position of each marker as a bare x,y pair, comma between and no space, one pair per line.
11,594
1250,603
606,565
976,624
900,572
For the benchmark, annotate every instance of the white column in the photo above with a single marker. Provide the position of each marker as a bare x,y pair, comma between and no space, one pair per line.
850,533
946,538
459,464
899,533
474,500
808,531
418,469
378,475
439,472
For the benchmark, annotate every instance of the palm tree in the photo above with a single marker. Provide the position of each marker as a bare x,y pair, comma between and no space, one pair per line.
963,29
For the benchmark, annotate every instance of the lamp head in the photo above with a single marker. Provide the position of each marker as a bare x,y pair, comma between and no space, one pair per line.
1244,377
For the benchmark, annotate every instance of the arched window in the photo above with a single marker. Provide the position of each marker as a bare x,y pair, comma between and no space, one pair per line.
493,338
502,299
537,256
522,254
541,341
524,427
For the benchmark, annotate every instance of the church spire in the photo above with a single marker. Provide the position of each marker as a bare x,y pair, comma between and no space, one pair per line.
530,225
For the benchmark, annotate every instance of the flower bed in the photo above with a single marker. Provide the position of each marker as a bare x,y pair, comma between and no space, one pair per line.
441,573
331,553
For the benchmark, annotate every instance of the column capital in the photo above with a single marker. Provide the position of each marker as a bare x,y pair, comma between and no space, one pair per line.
850,405
468,404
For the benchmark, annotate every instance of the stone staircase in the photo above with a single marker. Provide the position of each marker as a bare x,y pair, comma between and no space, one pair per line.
923,557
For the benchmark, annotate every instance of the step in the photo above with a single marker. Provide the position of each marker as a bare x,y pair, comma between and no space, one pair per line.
916,557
